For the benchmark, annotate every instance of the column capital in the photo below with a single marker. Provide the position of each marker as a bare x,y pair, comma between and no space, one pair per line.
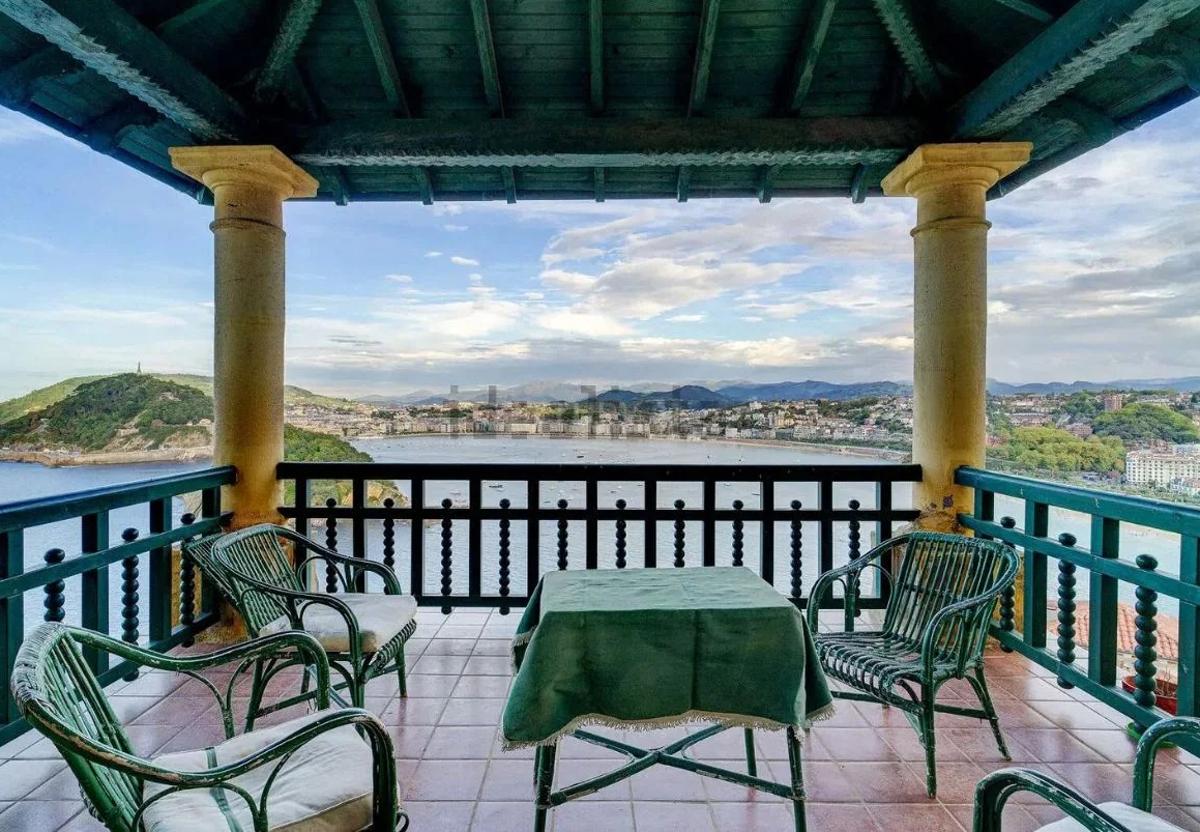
982,164
263,166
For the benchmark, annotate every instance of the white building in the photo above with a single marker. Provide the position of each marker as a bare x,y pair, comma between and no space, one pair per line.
1162,467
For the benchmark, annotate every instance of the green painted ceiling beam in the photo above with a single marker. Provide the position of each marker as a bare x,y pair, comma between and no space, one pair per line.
105,38
811,43
765,188
1031,10
487,57
592,143
897,19
1087,38
596,55
385,59
598,183
858,185
706,39
292,32
683,184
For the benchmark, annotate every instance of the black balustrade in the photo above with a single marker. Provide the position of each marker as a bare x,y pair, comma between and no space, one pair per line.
56,600
129,596
1066,609
680,534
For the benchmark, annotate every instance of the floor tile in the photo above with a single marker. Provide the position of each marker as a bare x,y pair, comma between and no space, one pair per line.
673,817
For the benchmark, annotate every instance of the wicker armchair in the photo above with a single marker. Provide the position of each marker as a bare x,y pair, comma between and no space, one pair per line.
933,630
1083,815
363,633
328,770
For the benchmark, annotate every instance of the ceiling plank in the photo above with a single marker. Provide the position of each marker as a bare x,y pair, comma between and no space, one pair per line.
765,188
858,185
288,40
1088,37
385,58
897,19
811,43
598,183
108,40
486,44
706,38
596,55
1031,10
615,142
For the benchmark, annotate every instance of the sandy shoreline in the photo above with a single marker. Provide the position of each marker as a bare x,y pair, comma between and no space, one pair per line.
65,459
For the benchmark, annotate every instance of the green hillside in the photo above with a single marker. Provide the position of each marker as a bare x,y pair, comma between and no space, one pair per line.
46,396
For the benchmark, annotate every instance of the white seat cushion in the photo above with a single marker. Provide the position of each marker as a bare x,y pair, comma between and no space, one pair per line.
325,786
380,619
1135,819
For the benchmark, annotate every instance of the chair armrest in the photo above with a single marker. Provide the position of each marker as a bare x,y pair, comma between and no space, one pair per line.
297,601
1147,749
825,582
995,789
391,583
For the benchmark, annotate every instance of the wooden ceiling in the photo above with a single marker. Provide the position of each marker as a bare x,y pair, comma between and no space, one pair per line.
436,100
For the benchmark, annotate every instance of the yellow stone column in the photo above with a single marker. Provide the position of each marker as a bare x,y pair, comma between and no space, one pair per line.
950,183
249,185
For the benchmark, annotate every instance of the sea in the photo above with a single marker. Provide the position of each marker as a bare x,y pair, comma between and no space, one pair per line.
23,481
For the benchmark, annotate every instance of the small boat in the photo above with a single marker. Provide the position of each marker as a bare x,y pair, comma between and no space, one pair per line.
496,485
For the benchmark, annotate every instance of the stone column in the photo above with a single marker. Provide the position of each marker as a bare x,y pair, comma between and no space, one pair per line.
249,185
950,183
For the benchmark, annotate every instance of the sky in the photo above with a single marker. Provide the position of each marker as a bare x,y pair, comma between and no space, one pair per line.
1093,274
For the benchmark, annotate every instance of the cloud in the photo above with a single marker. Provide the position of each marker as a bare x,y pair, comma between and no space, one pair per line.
463,261
475,277
452,227
404,279
686,319
432,254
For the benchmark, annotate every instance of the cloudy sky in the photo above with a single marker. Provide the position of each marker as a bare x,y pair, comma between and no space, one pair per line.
1094,274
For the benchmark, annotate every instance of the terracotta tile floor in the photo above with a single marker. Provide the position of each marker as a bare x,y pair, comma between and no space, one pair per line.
863,768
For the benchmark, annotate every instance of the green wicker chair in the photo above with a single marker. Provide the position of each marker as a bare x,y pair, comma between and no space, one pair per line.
1083,815
933,630
328,770
363,633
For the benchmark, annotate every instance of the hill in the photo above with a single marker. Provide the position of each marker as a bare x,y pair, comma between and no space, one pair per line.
789,391
46,396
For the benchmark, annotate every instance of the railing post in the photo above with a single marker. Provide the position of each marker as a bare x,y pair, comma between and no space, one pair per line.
533,545
210,506
474,538
129,597
12,617
1037,523
620,535
331,570
797,554
358,529
93,586
1145,682
416,551
187,585
825,541
591,548
767,539
650,507
1066,611
1008,598
739,535
160,573
504,523
709,536
447,555
1102,604
562,535
1189,630
680,535
55,599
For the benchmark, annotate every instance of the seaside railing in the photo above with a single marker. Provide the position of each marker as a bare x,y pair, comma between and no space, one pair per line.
1105,564
86,547
511,537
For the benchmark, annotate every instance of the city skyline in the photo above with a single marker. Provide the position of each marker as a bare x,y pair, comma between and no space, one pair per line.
105,268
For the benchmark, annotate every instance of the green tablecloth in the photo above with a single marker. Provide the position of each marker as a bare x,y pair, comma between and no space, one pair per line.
654,647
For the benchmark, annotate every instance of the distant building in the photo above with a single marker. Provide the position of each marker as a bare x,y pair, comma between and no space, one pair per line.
1080,429
1148,467
1112,401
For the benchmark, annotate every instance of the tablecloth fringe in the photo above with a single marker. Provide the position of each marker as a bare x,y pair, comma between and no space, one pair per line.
676,721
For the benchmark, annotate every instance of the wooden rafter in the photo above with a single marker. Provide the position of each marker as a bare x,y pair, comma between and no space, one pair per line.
614,142
765,188
809,52
897,19
858,184
596,55
288,40
598,183
486,44
706,38
1087,38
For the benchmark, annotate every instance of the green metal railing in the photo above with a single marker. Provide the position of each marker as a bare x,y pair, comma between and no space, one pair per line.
92,556
1108,572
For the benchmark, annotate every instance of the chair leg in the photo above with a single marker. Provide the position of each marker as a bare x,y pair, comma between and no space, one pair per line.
751,761
544,765
979,683
402,673
256,695
929,739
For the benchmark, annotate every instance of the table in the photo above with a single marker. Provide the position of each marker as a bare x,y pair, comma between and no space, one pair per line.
649,648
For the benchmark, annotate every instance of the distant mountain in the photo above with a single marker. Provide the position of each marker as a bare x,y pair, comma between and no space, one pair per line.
687,397
1185,384
786,391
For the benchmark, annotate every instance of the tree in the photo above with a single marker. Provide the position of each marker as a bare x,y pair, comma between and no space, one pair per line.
1141,423
1051,449
1083,406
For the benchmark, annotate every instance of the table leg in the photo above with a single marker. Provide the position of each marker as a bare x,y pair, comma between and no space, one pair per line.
751,762
544,768
794,762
